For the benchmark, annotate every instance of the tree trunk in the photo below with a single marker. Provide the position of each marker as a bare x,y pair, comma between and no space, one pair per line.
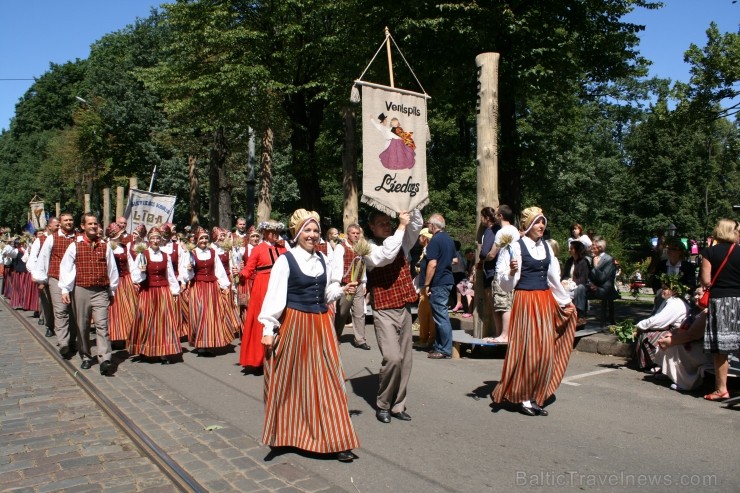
305,122
264,205
349,169
217,158
194,197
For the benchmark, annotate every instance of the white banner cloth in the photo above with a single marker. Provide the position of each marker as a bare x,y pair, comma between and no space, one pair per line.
148,208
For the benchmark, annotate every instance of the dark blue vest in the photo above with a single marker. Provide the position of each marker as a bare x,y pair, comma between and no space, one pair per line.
305,293
534,272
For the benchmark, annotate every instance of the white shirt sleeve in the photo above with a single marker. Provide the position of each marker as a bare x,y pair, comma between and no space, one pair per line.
40,272
337,263
113,276
172,279
275,297
68,269
672,314
412,231
221,275
33,255
137,275
386,252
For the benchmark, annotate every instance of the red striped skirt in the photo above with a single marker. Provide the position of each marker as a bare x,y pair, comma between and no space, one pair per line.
24,292
208,325
183,307
122,311
305,399
156,326
540,342
230,311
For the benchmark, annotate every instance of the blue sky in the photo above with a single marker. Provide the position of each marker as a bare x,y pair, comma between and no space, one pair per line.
34,33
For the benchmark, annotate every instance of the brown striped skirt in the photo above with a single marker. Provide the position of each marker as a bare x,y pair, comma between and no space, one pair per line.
207,320
305,399
540,342
156,326
122,311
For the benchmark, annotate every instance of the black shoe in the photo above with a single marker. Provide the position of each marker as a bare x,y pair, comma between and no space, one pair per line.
106,368
64,350
539,410
383,415
437,355
35,315
86,364
403,416
164,360
529,411
361,346
49,333
346,456
41,321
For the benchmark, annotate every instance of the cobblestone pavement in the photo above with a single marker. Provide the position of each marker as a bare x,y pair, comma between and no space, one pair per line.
53,436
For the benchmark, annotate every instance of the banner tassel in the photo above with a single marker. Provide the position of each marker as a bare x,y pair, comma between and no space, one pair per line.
354,95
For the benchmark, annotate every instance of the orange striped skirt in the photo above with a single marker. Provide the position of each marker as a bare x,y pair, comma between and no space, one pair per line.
230,311
156,327
122,311
183,307
540,342
208,325
305,399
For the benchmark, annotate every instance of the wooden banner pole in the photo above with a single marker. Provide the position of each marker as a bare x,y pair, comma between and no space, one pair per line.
390,58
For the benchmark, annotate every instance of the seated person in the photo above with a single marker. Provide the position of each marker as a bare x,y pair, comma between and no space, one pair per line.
601,280
680,354
577,267
650,330
675,264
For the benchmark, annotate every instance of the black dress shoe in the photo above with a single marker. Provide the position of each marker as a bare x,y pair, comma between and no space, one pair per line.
346,456
403,416
437,355
527,410
86,364
106,368
383,415
49,333
539,410
41,321
362,346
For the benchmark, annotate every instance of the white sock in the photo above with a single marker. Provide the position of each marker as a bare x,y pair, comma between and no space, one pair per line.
527,403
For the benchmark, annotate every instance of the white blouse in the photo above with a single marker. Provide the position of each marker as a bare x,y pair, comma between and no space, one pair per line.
277,288
218,268
139,276
537,251
671,316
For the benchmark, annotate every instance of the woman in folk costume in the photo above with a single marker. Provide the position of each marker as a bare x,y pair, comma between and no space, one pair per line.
155,332
208,282
25,295
259,266
122,309
223,245
171,246
543,319
305,399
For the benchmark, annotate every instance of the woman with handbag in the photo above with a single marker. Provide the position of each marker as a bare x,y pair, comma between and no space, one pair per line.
720,274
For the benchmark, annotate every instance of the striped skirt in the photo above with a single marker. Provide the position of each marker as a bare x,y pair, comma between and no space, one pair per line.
183,308
646,345
207,321
8,284
305,399
230,311
122,311
24,293
156,325
540,342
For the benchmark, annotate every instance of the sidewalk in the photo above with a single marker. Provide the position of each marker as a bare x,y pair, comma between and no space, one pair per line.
53,436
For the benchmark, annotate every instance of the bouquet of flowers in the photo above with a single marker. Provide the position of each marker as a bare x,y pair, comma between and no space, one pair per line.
357,267
140,248
505,242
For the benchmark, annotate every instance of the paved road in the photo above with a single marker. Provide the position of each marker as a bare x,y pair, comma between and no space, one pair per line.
609,429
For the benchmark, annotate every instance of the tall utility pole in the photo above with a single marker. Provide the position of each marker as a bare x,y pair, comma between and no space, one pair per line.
487,159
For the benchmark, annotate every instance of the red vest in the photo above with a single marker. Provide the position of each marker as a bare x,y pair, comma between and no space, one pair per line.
92,268
349,254
205,269
175,255
224,257
322,247
391,284
61,242
156,272
42,239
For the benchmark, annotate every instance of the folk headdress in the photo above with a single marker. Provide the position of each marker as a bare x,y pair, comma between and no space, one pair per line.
113,230
300,219
155,231
530,215
141,231
673,282
271,225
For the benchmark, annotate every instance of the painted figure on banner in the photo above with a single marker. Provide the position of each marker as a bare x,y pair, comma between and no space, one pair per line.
399,151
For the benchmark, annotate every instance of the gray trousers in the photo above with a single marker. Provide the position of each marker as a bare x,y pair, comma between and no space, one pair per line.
46,307
92,302
357,306
393,331
65,327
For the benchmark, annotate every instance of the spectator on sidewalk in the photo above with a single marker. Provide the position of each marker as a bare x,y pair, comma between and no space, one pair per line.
601,280
438,282
502,300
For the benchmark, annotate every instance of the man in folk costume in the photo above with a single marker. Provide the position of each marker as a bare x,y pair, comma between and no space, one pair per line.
122,222
46,271
392,292
341,263
89,270
52,226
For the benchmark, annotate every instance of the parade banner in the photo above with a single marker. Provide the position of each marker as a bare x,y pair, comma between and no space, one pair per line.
148,208
38,216
394,138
